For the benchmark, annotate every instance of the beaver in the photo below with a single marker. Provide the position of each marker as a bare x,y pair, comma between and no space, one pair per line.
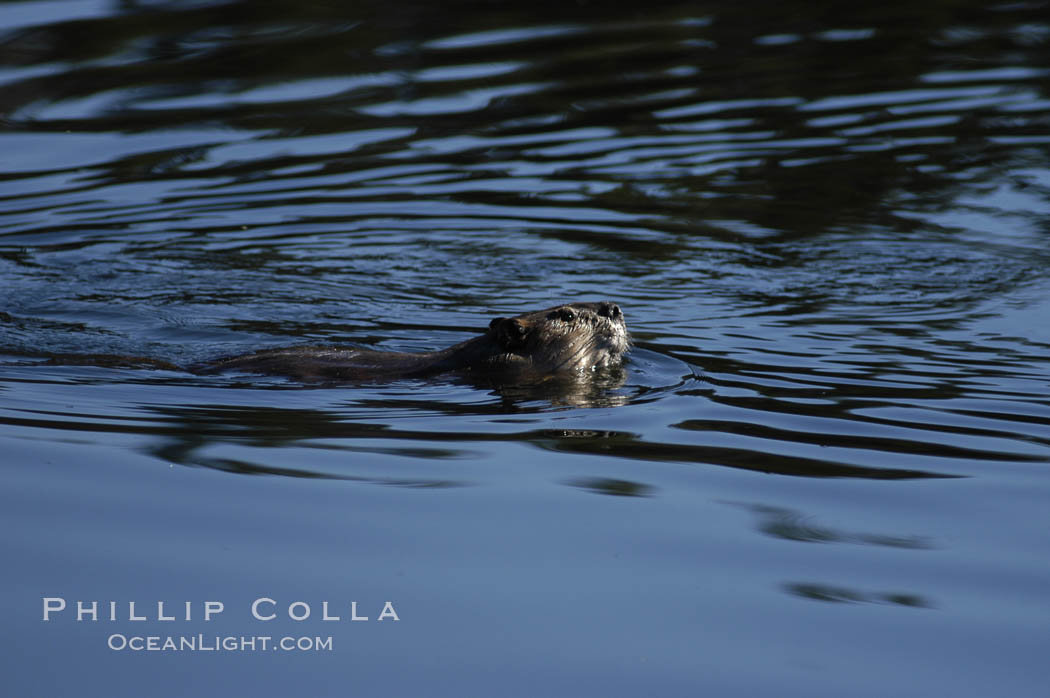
565,339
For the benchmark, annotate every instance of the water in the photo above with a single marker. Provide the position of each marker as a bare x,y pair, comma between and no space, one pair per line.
823,470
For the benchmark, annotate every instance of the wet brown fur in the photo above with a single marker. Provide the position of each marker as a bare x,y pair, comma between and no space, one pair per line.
570,338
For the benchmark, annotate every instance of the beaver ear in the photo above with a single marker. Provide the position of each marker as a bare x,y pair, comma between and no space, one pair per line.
509,332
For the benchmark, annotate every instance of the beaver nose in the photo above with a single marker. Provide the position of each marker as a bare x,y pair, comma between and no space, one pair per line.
610,310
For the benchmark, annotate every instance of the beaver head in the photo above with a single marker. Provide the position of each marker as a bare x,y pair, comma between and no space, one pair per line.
571,337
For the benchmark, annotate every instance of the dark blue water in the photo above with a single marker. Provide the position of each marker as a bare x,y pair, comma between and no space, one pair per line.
823,471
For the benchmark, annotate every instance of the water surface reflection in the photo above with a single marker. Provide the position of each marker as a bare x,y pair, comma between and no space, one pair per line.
826,224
